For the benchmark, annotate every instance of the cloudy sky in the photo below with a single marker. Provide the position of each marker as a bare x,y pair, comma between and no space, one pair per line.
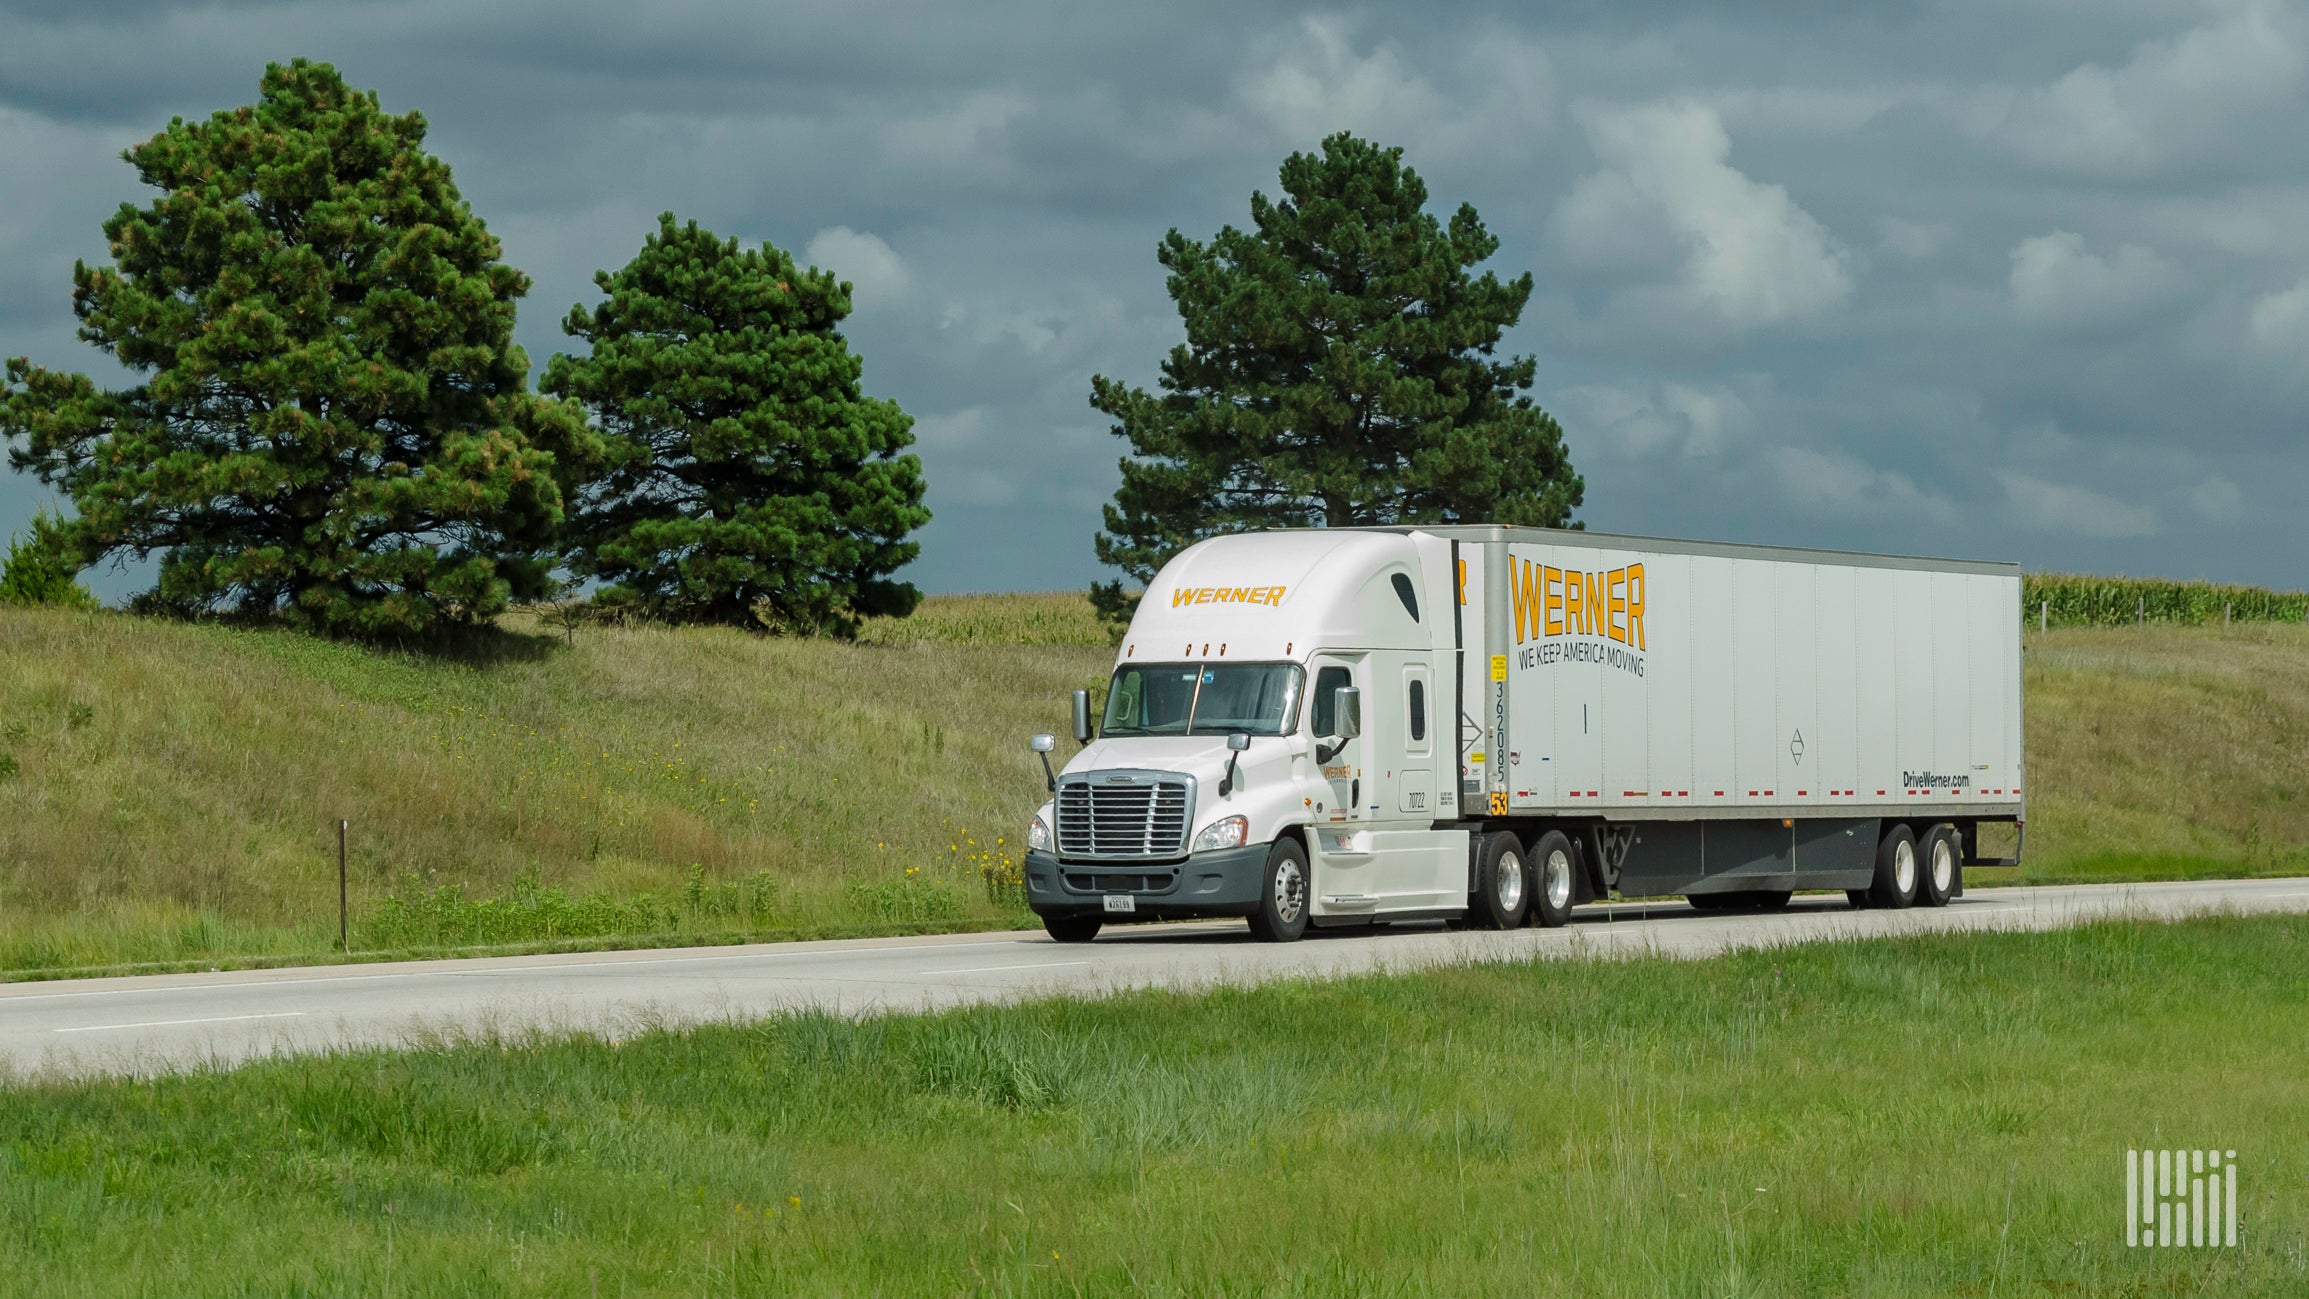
2025,279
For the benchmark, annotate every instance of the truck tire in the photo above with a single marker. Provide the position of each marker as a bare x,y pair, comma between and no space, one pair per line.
1502,885
1552,868
1942,858
1283,896
1072,929
1896,871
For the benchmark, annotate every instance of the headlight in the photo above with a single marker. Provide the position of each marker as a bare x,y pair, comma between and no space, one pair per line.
1226,833
1037,836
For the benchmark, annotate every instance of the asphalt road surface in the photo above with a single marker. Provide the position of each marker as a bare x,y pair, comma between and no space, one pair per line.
151,1023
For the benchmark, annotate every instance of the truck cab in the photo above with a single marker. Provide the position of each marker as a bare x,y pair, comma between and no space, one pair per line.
1279,741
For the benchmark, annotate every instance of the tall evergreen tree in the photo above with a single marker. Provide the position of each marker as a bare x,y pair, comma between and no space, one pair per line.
332,425
750,481
1338,370
37,570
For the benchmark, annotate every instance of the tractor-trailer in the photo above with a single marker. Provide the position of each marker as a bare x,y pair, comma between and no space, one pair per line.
1492,725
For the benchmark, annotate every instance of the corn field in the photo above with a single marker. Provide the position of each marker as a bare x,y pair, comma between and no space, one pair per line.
2070,600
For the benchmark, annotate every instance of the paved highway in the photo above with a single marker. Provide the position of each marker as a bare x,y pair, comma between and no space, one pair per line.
150,1023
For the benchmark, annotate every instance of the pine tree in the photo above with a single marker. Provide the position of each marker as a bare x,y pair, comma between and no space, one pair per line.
39,571
1339,370
749,479
332,425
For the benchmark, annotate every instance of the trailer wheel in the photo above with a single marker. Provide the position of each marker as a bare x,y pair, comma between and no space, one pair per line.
1282,913
1936,882
1072,929
1895,885
1502,885
1552,879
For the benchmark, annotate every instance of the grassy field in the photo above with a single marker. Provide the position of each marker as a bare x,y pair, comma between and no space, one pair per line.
177,787
1937,1116
2167,752
169,793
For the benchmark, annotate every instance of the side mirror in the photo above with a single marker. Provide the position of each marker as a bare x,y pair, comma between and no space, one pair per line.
1082,717
1044,742
1346,723
1042,745
1237,742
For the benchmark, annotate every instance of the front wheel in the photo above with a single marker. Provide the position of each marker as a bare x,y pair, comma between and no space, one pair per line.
1282,913
1072,929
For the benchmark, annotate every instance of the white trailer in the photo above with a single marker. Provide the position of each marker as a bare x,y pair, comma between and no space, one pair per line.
1634,717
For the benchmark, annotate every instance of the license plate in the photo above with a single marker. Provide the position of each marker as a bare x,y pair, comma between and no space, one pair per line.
1122,902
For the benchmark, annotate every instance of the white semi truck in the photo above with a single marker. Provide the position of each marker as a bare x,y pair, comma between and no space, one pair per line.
1491,725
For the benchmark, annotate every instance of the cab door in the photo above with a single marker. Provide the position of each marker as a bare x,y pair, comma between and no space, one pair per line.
1345,874
1343,767
1371,856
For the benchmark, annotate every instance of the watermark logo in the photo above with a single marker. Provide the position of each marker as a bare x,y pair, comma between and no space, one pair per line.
2181,1197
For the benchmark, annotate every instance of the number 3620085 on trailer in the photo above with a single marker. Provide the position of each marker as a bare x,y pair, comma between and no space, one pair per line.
1493,725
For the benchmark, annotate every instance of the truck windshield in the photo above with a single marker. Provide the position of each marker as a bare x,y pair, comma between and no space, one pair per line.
1202,699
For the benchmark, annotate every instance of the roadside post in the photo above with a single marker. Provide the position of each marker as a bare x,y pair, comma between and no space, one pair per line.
344,939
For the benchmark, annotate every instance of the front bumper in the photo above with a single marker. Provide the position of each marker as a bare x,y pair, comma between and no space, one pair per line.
1221,883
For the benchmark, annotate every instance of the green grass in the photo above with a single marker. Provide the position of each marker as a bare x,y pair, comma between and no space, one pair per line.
2167,752
178,787
1944,1115
169,793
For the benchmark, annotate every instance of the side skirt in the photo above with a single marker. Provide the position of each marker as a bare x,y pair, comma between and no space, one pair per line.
1384,918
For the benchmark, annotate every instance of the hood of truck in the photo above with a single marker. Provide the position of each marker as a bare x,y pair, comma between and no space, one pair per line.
1267,793
1194,755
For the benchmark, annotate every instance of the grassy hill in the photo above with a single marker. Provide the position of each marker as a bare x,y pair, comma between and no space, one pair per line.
175,788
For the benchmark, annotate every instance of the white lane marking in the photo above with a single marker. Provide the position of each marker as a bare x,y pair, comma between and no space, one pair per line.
172,1023
984,969
10,999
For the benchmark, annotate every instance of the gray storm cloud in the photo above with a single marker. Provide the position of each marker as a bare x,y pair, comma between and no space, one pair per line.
2023,281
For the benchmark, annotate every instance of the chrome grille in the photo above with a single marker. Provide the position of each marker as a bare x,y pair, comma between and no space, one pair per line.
1124,815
